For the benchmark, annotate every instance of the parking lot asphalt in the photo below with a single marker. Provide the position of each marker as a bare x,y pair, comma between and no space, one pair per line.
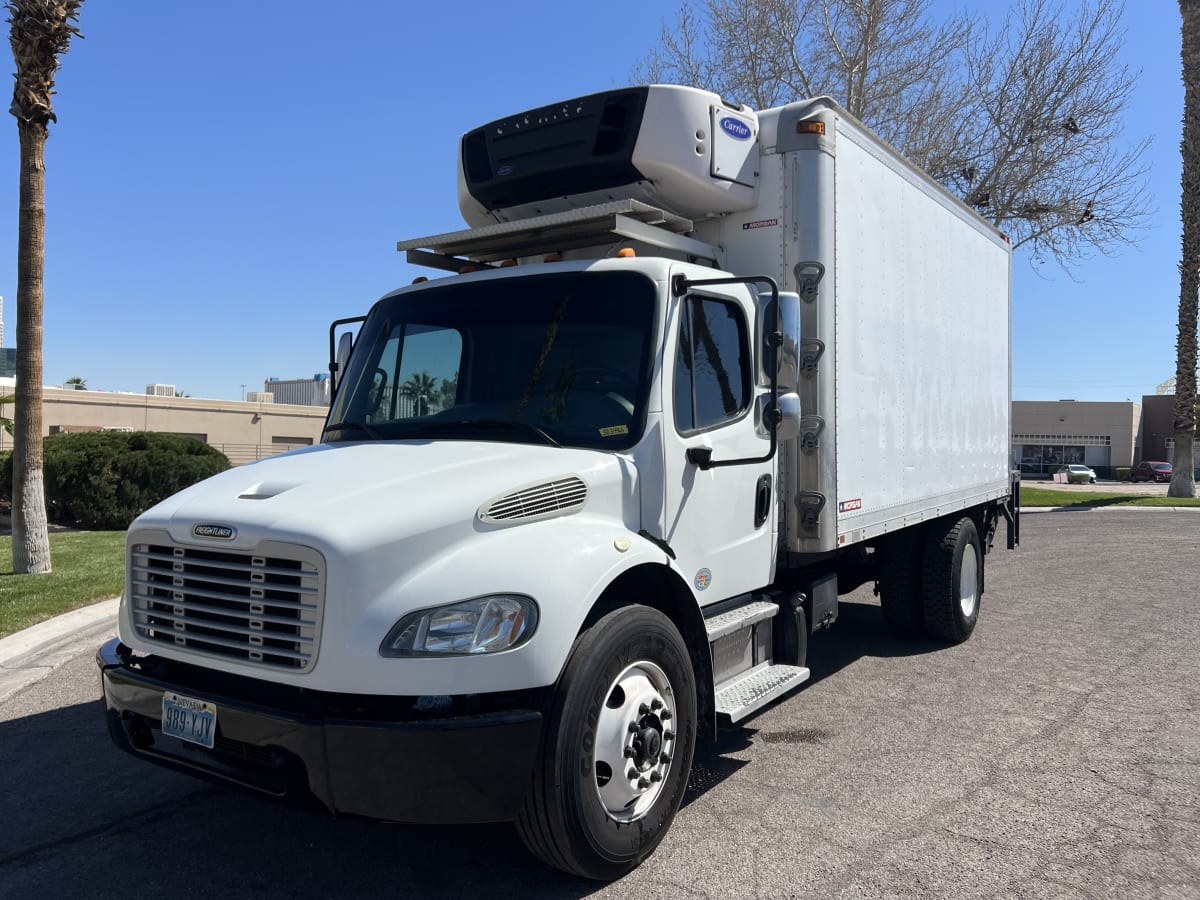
1055,754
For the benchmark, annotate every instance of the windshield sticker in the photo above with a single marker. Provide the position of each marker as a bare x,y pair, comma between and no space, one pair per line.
613,430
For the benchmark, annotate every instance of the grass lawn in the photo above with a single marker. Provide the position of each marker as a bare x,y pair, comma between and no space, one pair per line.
1032,496
87,566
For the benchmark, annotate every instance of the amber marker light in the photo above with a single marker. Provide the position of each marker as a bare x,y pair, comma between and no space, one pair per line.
552,257
508,264
626,252
810,128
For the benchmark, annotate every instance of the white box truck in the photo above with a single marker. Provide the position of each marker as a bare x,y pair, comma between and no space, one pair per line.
696,371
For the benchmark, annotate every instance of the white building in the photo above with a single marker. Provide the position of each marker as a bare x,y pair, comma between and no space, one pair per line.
299,391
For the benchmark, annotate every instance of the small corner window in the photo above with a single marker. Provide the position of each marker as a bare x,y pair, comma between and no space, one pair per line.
712,367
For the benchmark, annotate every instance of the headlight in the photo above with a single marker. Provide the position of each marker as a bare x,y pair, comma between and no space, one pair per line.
483,625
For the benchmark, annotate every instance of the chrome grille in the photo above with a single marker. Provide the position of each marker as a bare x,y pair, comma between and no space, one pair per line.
259,608
540,501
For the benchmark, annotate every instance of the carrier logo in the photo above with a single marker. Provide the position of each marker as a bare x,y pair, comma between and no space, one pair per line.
735,128
220,532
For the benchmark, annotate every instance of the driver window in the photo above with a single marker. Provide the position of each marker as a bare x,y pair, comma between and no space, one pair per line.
712,367
417,373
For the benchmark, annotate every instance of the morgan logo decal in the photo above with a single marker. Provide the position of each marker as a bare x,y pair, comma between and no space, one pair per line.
849,505
735,128
503,171
703,579
220,532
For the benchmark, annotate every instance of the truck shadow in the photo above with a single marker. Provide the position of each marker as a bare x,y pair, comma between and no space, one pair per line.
74,807
859,632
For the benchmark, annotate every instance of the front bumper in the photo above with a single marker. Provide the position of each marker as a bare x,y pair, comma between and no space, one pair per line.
383,758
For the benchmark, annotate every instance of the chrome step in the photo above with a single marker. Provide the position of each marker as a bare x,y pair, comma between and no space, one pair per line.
755,689
741,617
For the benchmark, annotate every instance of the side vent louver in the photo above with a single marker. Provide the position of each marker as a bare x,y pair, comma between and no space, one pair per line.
544,500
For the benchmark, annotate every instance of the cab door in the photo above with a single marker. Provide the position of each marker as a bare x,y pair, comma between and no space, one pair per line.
721,521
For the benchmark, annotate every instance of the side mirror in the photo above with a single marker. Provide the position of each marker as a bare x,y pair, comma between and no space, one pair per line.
345,345
787,358
787,408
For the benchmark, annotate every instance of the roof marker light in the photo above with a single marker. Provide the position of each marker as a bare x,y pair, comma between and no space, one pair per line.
626,252
810,128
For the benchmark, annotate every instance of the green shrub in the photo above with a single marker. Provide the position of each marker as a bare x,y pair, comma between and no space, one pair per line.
1122,473
105,479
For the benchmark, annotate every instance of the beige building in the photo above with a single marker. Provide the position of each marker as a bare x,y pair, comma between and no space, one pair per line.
1052,433
243,431
1046,434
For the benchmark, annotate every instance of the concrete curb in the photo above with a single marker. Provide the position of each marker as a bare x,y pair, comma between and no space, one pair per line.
35,652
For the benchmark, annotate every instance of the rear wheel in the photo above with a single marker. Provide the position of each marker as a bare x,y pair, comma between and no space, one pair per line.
617,749
900,583
952,579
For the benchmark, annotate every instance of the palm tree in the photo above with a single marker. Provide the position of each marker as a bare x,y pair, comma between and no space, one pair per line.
422,387
80,384
1183,481
41,32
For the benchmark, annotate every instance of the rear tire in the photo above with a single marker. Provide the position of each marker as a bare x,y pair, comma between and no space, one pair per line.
900,584
624,705
953,579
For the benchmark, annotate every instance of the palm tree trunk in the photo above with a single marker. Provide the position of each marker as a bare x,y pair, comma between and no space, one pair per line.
1183,481
31,539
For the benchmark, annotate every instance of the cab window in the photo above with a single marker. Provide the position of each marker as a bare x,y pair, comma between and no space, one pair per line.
712,366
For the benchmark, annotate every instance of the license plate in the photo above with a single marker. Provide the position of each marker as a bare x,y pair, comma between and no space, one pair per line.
188,719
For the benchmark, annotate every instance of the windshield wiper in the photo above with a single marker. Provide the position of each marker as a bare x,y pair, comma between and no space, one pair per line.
361,426
492,425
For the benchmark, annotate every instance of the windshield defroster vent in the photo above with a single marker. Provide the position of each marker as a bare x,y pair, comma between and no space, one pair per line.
543,500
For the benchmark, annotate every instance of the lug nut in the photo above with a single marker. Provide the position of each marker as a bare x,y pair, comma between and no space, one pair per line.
668,735
631,773
643,782
665,715
630,753
633,727
643,709
656,775
656,704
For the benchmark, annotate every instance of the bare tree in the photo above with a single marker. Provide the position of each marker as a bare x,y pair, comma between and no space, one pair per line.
41,31
1183,480
1021,119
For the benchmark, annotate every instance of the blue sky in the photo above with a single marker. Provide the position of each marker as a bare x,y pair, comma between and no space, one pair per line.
226,178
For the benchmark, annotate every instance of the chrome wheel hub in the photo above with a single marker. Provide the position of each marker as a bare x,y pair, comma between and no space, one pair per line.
635,741
968,581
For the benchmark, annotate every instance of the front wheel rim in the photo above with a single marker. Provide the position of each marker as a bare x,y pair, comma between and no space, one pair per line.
635,741
968,581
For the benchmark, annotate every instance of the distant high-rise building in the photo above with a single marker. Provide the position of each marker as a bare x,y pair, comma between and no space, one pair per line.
299,391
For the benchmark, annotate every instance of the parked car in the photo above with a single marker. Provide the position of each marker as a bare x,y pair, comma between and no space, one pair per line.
1078,474
1149,470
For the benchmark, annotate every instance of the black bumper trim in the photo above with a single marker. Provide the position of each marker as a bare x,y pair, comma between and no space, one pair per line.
450,770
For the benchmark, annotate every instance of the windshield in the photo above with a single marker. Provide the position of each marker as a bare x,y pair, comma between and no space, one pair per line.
559,359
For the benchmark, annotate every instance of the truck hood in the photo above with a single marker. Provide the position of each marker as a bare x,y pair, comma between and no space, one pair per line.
346,498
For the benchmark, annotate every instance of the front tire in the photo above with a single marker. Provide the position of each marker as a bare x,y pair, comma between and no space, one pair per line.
953,579
617,748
